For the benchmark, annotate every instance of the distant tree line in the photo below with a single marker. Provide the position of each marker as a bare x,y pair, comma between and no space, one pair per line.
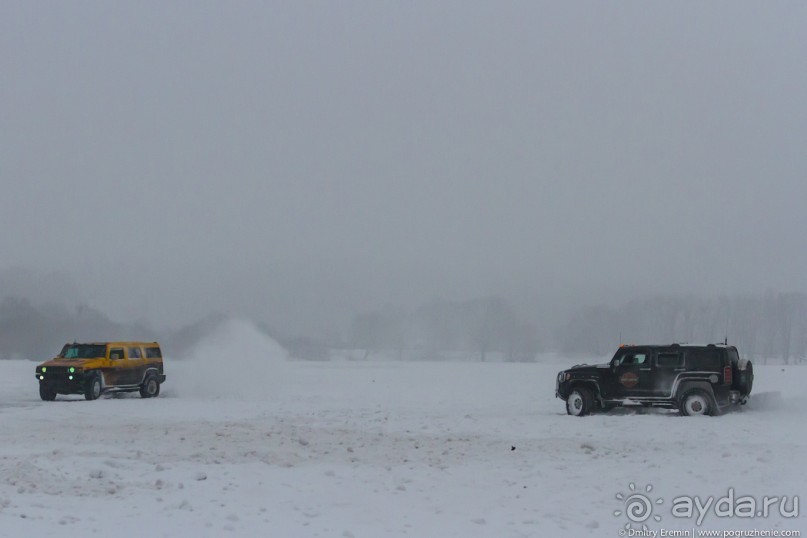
39,332
480,327
770,326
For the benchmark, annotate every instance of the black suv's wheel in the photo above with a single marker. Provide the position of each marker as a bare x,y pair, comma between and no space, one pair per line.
46,392
93,388
580,402
150,388
696,402
746,379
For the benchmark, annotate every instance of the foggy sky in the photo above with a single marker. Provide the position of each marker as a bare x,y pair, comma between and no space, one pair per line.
299,161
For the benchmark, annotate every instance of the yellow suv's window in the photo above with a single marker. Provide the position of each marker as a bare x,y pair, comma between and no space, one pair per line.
82,351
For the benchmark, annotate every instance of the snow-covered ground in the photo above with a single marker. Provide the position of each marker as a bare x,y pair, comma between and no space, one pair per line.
270,447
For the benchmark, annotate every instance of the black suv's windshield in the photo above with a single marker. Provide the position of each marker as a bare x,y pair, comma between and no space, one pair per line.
82,351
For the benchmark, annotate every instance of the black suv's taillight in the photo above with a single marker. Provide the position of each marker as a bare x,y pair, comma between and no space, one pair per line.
727,375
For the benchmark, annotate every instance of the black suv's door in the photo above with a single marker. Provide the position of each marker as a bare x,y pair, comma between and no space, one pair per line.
669,363
631,373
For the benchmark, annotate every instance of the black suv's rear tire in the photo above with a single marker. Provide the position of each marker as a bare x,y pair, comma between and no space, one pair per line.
746,379
46,392
150,388
580,402
92,391
695,403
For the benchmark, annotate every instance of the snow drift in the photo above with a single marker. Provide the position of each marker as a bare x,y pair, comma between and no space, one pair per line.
236,360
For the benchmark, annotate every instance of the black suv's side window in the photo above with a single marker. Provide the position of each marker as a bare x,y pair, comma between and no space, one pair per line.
631,358
703,359
669,359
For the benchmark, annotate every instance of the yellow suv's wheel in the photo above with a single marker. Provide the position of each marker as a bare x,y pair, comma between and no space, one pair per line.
46,392
93,388
150,388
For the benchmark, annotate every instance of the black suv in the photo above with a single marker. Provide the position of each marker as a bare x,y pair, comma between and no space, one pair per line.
698,380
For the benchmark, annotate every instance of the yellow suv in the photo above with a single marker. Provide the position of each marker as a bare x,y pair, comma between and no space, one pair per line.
96,368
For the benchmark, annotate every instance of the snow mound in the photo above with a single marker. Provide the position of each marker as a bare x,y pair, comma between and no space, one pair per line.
235,360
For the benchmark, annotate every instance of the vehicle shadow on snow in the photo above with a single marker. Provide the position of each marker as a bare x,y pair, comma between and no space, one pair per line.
76,398
771,401
758,402
641,410
630,411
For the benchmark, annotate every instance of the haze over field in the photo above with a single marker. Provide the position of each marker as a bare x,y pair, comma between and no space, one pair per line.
299,163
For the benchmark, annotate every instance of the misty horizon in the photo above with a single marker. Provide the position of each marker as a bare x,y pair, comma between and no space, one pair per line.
299,164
